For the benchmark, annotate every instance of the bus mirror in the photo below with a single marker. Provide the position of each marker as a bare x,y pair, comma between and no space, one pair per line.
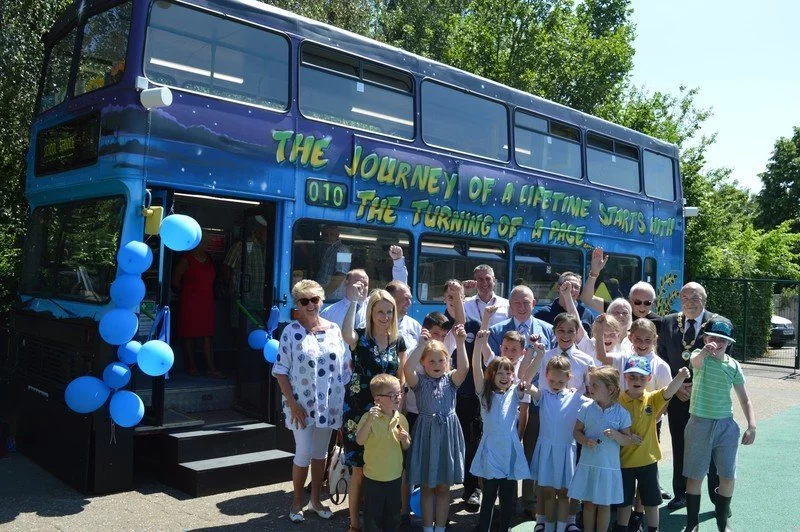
152,219
691,212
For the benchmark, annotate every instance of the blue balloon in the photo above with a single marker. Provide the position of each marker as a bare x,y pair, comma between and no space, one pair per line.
119,326
271,350
135,257
127,353
414,502
180,232
155,358
86,394
257,339
116,375
126,408
127,291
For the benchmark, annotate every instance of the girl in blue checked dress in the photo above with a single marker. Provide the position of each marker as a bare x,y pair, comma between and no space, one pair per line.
436,460
553,462
603,425
500,458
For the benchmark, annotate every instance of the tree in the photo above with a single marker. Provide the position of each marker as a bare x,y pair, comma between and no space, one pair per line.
779,199
579,57
22,24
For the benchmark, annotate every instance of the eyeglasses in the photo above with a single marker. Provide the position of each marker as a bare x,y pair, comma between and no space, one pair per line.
646,302
303,301
691,298
391,396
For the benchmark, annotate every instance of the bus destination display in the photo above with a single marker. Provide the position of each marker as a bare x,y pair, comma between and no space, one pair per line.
69,145
326,194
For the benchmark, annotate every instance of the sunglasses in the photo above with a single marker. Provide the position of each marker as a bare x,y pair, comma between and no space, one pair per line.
646,302
303,301
391,396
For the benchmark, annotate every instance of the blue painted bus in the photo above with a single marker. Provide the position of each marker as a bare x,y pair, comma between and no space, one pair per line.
286,138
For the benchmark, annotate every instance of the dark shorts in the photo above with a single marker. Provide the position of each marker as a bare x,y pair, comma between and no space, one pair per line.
646,479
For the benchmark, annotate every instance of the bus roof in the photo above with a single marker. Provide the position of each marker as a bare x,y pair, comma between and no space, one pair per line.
347,41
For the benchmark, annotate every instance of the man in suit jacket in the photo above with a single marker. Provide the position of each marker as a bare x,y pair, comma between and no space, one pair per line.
680,335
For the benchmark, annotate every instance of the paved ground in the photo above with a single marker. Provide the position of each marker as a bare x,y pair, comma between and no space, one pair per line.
767,496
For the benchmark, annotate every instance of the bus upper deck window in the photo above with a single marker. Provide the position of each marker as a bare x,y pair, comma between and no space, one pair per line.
56,77
611,162
659,176
547,145
340,88
204,53
105,42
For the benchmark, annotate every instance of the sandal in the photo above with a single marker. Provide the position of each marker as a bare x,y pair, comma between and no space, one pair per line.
322,513
572,527
539,527
296,517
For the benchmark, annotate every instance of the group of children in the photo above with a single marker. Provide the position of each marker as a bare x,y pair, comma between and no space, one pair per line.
597,442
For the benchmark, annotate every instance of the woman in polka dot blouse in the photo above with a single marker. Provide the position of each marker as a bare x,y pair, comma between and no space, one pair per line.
312,369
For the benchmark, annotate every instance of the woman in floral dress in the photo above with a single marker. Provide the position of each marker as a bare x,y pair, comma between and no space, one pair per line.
378,348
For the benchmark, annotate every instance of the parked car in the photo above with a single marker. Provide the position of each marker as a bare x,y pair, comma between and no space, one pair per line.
781,331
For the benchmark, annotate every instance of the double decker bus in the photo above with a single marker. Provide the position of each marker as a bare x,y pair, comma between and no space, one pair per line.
286,138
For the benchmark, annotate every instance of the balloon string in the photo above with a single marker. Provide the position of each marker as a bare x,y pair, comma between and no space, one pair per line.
113,433
247,313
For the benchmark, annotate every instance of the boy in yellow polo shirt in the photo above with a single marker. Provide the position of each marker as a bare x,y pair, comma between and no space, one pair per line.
383,431
640,461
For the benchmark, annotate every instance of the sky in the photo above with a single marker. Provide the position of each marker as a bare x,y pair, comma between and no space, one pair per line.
744,57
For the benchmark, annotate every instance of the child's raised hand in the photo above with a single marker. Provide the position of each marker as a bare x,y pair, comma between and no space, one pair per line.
375,412
470,284
483,333
683,373
535,340
424,337
492,309
461,334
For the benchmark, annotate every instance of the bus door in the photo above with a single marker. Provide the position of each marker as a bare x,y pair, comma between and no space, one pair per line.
253,299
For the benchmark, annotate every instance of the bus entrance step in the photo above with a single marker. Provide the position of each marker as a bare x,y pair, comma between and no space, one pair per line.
216,442
229,473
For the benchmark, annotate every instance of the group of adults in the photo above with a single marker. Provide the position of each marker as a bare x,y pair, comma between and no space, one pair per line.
327,357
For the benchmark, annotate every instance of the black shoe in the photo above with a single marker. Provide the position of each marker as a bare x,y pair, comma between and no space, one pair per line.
635,522
677,503
665,494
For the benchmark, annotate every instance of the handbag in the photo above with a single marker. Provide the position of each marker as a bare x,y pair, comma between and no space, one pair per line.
338,472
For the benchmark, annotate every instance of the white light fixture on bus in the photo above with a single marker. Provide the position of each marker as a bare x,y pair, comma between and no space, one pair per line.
358,237
487,250
403,242
195,70
382,116
437,245
152,98
214,198
691,212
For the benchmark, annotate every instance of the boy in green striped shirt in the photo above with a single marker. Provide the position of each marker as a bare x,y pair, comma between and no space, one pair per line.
711,432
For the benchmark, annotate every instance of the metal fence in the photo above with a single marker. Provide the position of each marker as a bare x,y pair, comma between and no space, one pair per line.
765,315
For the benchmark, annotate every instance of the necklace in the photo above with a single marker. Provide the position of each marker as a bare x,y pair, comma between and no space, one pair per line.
687,346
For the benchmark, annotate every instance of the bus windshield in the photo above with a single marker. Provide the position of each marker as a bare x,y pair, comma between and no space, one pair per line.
71,250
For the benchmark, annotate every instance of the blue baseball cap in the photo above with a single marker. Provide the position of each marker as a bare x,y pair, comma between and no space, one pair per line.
721,327
639,365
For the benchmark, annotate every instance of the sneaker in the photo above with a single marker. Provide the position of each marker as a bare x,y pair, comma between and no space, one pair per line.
474,501
665,495
677,503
